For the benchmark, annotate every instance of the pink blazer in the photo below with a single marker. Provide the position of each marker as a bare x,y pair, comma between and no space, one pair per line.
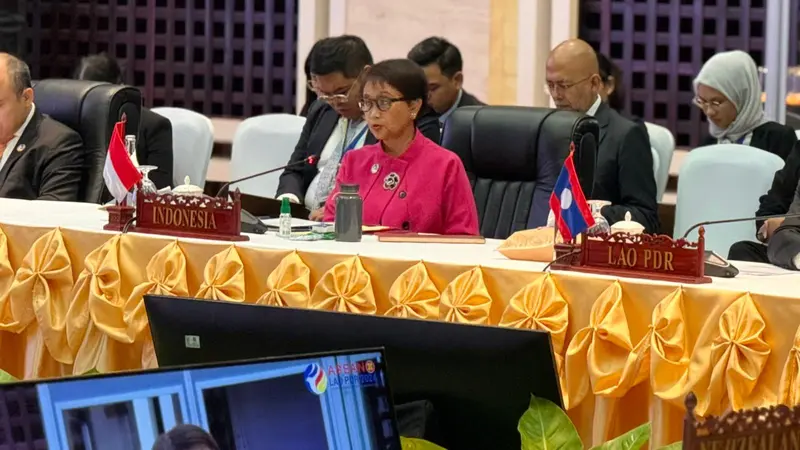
433,194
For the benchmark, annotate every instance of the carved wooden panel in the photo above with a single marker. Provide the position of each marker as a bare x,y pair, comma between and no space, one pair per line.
660,46
218,57
772,427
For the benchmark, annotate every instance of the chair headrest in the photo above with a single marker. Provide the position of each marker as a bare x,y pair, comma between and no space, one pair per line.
91,108
513,142
76,102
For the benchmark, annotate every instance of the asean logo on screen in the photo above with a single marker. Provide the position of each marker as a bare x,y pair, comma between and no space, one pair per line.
315,379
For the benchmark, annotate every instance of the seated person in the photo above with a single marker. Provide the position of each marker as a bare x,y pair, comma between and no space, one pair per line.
186,437
624,173
154,143
335,124
613,92
729,93
443,67
776,201
784,247
40,158
406,180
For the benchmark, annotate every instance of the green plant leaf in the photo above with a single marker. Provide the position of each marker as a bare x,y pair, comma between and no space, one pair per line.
418,444
632,440
674,446
5,377
545,426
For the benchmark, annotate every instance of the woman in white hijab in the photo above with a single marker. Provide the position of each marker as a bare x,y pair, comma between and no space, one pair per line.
728,91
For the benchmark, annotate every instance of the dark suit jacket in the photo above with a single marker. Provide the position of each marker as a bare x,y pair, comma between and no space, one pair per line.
50,167
154,147
779,197
770,136
320,123
785,243
624,174
468,99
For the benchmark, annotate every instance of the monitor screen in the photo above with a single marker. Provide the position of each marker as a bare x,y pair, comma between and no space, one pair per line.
326,401
474,381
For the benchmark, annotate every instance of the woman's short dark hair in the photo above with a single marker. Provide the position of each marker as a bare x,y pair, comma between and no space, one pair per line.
185,437
402,74
607,70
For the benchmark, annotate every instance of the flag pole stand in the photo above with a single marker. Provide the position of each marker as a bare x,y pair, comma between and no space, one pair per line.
119,216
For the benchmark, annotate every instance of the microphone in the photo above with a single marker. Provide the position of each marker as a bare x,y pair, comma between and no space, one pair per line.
716,265
741,219
310,160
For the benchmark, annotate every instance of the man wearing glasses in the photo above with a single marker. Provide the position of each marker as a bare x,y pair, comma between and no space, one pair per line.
624,173
335,124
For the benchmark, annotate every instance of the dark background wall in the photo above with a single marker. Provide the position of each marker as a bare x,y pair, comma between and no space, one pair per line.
12,22
219,57
660,46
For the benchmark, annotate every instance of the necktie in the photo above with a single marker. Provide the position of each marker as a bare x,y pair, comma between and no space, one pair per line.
327,176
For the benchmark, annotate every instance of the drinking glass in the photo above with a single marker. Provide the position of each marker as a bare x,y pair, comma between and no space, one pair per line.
148,187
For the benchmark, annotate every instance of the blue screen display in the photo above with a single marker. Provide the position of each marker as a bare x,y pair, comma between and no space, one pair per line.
332,402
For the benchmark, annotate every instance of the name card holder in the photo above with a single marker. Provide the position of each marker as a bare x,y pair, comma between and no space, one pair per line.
772,428
655,257
200,217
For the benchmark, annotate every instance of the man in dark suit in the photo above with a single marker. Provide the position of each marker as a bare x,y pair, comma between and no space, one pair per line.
154,143
441,61
624,173
334,124
784,247
40,158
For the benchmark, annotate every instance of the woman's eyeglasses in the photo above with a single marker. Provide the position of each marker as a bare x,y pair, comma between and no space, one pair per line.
383,103
704,105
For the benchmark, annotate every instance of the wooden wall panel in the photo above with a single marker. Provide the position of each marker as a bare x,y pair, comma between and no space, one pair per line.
232,58
660,46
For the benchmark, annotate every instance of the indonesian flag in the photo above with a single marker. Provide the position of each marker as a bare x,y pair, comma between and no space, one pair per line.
119,172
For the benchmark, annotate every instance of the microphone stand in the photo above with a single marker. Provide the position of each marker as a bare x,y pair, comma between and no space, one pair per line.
741,219
310,160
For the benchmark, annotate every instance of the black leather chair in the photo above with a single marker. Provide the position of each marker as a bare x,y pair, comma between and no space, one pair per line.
513,156
91,109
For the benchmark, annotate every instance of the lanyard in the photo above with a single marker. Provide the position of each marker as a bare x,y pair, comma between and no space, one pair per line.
354,142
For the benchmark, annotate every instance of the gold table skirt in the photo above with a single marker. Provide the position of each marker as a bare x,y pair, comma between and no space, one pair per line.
627,350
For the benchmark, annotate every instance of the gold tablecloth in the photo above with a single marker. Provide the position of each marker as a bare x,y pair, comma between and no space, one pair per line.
71,301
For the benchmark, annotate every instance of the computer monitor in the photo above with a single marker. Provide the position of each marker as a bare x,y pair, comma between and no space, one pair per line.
334,400
479,379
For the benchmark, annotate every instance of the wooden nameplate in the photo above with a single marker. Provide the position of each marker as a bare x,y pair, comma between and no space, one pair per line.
200,217
655,257
399,236
775,427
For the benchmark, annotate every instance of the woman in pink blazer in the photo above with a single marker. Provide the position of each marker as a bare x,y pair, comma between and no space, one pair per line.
406,180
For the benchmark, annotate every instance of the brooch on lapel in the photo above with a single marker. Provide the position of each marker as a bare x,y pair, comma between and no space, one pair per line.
21,147
375,168
391,181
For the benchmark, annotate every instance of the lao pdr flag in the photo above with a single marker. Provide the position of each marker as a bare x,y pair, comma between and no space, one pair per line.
569,206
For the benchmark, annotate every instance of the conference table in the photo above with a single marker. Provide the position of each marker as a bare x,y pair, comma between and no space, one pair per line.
626,349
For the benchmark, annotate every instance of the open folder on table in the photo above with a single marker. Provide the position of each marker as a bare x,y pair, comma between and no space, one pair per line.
270,207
